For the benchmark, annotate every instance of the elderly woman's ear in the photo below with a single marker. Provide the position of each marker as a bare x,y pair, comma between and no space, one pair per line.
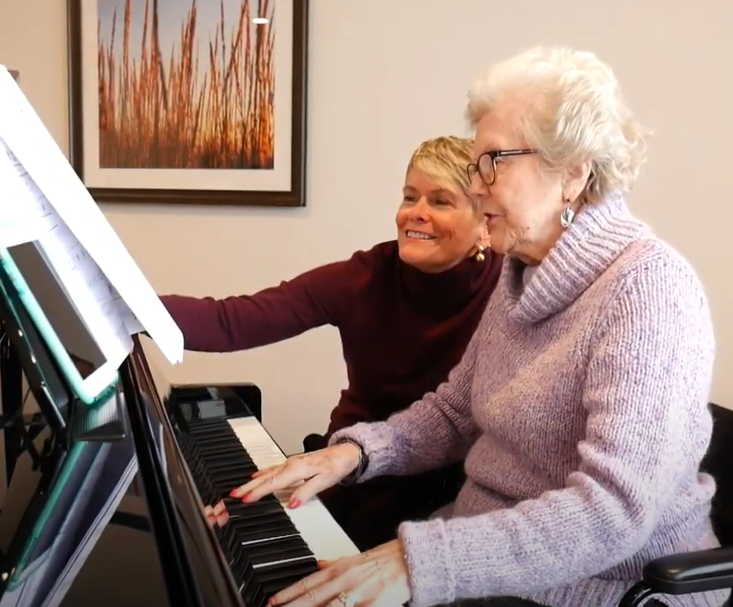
575,180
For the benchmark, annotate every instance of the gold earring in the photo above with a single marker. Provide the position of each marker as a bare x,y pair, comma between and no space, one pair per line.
480,253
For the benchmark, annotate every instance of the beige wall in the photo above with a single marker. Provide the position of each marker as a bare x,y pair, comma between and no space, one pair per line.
385,74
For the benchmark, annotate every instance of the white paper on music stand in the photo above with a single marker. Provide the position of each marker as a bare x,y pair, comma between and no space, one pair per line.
32,145
73,271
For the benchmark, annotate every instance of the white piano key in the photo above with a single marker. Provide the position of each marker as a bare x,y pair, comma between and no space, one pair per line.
318,528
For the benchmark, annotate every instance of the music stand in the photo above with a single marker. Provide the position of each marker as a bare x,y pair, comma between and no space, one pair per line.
84,476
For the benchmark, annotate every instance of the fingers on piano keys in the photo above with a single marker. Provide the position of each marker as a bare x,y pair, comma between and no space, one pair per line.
264,549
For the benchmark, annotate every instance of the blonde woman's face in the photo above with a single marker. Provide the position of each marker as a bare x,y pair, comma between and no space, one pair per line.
436,227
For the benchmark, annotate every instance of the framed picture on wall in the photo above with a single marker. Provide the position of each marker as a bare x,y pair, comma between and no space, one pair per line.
189,101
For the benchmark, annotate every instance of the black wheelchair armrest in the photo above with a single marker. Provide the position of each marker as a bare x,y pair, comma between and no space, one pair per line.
691,572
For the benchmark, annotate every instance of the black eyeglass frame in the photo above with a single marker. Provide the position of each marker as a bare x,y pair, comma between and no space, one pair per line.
473,167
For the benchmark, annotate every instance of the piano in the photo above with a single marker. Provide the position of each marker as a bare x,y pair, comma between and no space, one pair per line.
106,500
191,445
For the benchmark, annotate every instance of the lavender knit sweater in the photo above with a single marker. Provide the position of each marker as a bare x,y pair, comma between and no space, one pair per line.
580,410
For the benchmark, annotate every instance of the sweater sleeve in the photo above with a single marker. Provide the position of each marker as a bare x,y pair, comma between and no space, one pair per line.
240,322
432,432
641,414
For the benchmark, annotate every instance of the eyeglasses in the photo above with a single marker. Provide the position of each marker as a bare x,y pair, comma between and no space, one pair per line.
485,166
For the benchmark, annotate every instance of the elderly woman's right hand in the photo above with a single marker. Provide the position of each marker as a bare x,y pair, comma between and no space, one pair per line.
319,469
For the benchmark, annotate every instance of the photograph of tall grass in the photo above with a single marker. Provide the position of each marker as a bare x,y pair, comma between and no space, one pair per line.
186,84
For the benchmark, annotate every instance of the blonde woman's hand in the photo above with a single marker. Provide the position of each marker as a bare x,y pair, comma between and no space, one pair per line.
317,471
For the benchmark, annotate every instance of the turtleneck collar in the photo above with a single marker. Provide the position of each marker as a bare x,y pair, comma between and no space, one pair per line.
599,234
451,290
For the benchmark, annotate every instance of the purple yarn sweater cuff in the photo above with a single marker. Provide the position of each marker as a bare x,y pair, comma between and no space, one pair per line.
429,557
378,440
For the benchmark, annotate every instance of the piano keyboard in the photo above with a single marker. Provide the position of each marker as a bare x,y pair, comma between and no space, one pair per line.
268,545
316,525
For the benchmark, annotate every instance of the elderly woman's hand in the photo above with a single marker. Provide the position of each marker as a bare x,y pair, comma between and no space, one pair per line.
320,470
377,578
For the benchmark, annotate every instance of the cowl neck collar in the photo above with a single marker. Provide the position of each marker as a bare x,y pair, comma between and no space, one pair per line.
588,247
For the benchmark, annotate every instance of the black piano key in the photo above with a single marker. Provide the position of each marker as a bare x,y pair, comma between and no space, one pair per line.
287,557
236,506
223,450
239,563
250,535
208,423
215,437
269,522
223,457
286,575
202,421
273,579
281,553
225,475
229,469
225,488
204,441
264,549
269,501
265,522
252,591
267,511
290,546
302,567
257,536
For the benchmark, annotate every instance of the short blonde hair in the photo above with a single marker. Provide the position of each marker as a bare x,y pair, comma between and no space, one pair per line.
444,161
576,114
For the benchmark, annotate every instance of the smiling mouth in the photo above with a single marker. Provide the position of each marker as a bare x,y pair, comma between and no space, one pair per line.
419,235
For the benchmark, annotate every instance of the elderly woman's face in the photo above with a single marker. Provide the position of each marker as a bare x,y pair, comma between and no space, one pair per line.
436,227
523,204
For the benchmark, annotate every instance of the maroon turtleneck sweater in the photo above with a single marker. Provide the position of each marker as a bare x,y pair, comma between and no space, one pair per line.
402,330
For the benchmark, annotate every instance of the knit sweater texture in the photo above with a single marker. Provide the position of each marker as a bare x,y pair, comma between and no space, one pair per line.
581,410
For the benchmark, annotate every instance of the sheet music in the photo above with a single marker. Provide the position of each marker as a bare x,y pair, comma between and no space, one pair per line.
125,294
95,299
19,223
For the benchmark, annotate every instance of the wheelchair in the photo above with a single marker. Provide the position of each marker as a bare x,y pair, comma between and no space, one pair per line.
705,570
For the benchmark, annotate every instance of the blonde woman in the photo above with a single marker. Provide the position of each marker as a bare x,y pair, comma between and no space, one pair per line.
405,309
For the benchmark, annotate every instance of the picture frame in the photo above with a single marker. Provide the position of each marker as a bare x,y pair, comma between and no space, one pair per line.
189,101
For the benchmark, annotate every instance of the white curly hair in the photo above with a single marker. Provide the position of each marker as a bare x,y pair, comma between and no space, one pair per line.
576,114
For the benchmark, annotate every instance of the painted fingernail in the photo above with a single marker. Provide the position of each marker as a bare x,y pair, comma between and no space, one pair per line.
294,503
233,493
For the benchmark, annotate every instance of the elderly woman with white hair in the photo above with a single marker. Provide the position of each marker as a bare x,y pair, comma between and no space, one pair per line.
580,405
